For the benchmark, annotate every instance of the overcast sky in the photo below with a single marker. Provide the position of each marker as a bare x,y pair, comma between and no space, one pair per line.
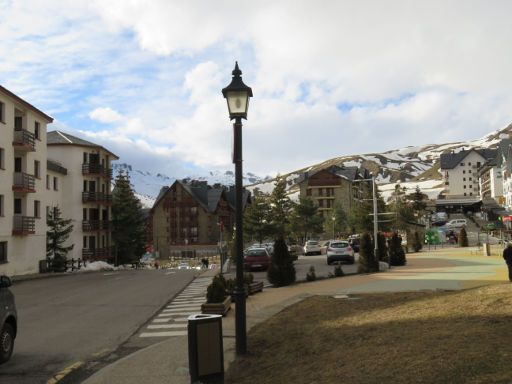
329,78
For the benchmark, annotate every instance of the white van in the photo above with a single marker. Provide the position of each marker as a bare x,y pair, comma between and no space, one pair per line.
456,223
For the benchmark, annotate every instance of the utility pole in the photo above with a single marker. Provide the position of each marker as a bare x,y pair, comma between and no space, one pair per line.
375,217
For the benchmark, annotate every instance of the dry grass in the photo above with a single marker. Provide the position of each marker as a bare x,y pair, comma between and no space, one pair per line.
444,337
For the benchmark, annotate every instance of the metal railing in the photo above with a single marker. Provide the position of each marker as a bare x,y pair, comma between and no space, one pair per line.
24,182
23,225
96,225
105,253
96,197
96,169
25,139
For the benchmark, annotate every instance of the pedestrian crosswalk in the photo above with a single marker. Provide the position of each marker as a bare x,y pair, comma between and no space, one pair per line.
172,320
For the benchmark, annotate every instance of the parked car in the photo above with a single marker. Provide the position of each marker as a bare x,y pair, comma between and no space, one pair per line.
457,223
312,247
340,251
256,258
439,218
183,266
8,320
354,243
323,246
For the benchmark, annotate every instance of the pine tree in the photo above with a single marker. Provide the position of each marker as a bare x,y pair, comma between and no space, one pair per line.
383,248
128,230
418,200
367,261
403,210
340,219
396,252
463,238
280,209
57,234
306,219
256,217
281,271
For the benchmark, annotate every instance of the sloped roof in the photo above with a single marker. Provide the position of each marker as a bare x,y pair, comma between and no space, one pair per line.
231,197
451,160
348,173
25,103
56,167
62,138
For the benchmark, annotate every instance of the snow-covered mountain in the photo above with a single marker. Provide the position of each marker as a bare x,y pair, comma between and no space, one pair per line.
410,164
147,184
416,165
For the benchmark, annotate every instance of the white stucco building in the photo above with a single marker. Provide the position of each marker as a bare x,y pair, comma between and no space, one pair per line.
39,171
22,184
460,172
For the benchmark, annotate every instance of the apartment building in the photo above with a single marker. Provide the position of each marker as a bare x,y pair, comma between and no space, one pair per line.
79,182
192,213
335,185
460,172
23,168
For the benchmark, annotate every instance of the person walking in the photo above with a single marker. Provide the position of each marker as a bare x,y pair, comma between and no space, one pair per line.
507,255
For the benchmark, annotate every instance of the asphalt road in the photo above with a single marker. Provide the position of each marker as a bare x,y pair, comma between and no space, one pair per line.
79,318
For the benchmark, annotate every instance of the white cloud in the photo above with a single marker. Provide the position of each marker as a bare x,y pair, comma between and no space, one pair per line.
344,77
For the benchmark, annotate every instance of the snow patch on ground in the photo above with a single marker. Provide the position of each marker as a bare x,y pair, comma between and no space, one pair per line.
431,188
98,266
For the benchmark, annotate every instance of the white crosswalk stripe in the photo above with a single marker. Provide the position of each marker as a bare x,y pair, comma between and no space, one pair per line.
172,320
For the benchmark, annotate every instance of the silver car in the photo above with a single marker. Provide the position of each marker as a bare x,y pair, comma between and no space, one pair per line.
340,251
8,320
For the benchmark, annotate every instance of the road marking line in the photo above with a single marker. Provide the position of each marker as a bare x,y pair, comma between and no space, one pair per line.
102,352
111,274
182,305
164,320
164,334
59,376
167,326
176,314
181,310
169,273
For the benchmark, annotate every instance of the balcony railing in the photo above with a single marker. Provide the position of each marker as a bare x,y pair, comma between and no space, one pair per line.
92,254
96,197
96,169
23,225
24,140
96,225
23,182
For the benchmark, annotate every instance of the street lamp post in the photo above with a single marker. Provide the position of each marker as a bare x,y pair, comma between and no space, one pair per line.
237,95
333,221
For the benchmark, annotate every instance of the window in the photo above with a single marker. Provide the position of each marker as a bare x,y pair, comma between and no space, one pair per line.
320,191
470,179
84,214
471,194
463,179
447,183
2,112
464,187
2,213
37,169
3,252
478,164
17,206
37,209
469,171
461,164
469,164
2,158
37,130
320,203
48,182
308,192
47,211
85,242
465,194
55,184
463,172
85,157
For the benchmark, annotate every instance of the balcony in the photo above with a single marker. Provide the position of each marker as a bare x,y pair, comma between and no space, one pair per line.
96,170
96,225
96,197
93,254
23,182
23,225
24,140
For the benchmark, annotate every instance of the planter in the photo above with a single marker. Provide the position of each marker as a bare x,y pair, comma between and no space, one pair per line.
257,286
217,308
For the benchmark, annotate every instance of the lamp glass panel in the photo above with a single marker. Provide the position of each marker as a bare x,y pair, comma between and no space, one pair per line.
237,102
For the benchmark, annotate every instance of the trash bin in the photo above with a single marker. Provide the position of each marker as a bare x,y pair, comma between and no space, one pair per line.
205,349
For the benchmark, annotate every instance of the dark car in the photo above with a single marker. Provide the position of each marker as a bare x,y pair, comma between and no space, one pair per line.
256,258
354,243
8,320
